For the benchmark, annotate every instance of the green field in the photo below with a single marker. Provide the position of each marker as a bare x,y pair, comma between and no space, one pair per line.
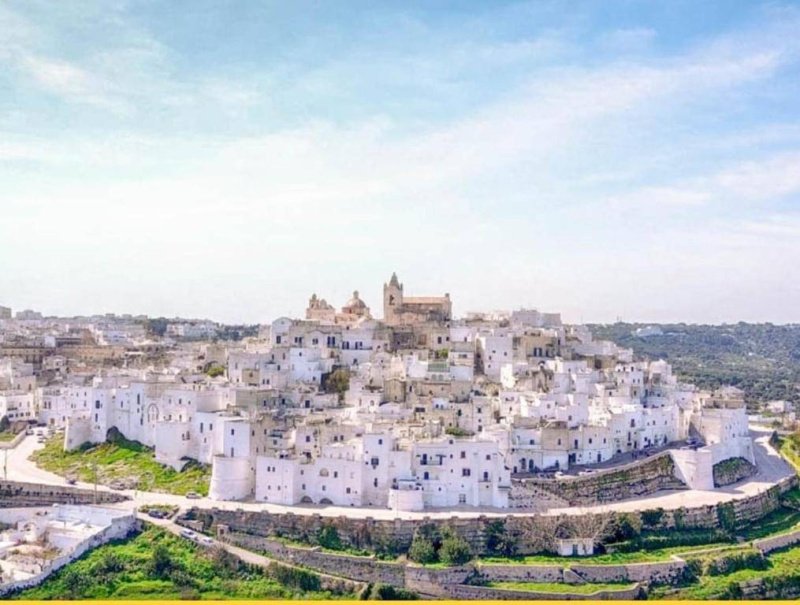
123,460
156,565
559,588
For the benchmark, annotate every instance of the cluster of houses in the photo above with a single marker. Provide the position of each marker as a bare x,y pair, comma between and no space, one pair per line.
412,411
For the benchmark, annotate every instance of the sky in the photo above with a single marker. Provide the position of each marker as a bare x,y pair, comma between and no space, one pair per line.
607,159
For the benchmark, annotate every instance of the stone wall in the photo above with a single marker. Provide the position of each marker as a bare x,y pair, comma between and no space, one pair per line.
15,494
367,533
365,569
497,594
632,480
663,572
767,545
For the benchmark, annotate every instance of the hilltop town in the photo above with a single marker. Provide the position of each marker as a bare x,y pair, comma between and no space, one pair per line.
416,410
418,437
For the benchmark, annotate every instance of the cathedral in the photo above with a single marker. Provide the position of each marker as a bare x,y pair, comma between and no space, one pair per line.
399,309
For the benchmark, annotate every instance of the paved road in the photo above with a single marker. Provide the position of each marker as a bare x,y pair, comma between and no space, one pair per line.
771,468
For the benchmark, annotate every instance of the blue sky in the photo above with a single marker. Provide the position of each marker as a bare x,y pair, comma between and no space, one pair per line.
610,159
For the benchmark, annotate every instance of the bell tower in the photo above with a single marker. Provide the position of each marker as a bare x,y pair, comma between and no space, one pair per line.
392,300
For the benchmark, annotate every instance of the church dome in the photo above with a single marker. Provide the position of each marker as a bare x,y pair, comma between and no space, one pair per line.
356,302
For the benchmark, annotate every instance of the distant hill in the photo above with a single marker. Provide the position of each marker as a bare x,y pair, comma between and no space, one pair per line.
761,359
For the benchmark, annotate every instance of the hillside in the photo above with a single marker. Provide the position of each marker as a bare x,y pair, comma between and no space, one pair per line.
761,359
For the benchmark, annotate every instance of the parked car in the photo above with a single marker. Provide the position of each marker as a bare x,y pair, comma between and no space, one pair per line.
186,533
71,480
29,432
193,495
157,513
117,485
207,541
41,440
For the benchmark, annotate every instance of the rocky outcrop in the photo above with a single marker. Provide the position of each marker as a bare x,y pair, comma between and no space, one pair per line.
732,471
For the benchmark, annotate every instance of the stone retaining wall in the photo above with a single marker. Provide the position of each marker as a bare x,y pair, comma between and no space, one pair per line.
496,594
365,569
17,494
621,483
767,545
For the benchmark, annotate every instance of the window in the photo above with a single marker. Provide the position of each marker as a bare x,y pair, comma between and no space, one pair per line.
463,455
465,472
462,498
374,461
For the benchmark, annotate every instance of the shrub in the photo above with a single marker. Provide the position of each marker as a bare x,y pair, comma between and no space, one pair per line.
328,537
454,550
160,562
387,592
626,527
215,371
457,431
726,564
422,549
652,518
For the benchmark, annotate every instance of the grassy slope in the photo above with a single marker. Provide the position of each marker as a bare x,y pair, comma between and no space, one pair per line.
782,565
126,570
118,461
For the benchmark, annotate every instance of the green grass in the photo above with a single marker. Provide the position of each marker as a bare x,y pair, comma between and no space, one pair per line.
121,461
784,566
789,448
560,588
129,569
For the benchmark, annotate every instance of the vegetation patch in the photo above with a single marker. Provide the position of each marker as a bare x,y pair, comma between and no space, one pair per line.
779,574
761,359
158,565
128,462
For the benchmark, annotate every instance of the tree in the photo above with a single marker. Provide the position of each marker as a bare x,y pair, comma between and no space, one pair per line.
5,424
339,382
538,533
422,549
590,525
499,541
454,549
